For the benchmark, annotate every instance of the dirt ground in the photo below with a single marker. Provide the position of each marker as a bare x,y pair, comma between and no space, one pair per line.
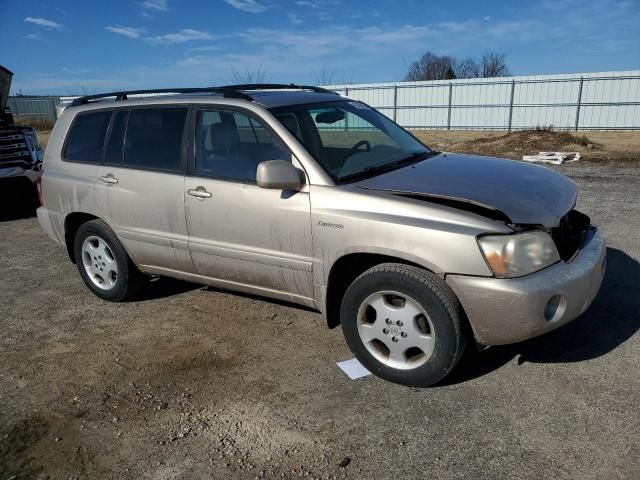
191,382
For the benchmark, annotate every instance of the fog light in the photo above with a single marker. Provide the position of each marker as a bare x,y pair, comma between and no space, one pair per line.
554,309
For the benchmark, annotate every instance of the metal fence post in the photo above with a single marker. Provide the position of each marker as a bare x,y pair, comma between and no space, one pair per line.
346,117
513,88
51,109
395,103
578,103
449,108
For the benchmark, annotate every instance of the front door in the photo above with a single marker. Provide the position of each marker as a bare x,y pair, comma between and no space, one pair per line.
243,236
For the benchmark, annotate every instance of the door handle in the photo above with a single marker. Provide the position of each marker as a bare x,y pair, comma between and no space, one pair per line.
109,178
199,192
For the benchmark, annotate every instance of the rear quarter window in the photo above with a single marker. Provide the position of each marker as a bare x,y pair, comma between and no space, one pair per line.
85,141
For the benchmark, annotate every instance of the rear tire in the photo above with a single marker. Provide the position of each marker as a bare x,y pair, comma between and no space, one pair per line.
104,264
404,324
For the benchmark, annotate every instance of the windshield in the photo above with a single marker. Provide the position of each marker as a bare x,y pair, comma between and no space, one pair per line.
349,139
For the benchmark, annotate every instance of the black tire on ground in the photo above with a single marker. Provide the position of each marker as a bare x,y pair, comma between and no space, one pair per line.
434,296
129,279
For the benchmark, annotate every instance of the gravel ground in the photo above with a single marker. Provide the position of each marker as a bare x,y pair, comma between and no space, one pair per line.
191,382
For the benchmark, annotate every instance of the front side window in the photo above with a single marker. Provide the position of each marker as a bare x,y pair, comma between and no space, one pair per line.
153,138
86,137
349,139
230,145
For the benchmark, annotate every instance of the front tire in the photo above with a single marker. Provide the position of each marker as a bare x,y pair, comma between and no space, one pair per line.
403,324
104,264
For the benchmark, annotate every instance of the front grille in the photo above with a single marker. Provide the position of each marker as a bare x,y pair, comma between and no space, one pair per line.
14,149
569,234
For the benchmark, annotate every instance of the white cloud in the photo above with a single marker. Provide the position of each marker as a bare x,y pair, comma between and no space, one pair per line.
326,10
43,22
400,35
190,61
76,71
334,41
33,36
158,5
206,48
130,32
184,35
251,6
295,19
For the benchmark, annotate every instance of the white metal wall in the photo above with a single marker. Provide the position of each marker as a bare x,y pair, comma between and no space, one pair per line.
582,101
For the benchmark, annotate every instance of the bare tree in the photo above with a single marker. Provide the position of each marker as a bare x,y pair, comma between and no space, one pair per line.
443,67
493,64
324,76
431,67
467,68
249,75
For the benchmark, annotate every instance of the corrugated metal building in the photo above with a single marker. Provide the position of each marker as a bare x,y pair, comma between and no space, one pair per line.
34,107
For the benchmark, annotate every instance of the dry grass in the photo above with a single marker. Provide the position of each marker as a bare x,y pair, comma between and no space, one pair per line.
43,137
37,123
606,147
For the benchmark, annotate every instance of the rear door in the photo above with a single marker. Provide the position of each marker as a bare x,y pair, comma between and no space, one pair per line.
244,236
140,190
72,181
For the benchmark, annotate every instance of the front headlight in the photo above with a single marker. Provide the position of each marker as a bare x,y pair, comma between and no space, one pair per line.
518,254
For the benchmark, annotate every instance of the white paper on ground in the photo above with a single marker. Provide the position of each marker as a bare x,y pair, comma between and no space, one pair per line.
353,368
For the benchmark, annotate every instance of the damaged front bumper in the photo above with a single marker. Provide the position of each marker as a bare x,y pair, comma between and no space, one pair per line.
503,311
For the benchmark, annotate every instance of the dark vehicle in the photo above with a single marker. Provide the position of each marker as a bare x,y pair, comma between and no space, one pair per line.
20,153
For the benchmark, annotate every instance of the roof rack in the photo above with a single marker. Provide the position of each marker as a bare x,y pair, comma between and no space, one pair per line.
120,96
228,91
277,86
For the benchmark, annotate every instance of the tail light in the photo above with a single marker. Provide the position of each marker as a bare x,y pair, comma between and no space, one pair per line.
39,187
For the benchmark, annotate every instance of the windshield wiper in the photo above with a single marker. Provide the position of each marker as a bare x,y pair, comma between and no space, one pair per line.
412,158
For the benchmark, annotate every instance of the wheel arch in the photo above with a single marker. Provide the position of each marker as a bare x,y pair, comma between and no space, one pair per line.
72,223
346,269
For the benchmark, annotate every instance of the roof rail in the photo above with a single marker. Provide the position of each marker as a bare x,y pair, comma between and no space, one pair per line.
123,95
277,86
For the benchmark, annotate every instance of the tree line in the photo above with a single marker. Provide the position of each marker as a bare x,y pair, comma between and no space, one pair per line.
446,67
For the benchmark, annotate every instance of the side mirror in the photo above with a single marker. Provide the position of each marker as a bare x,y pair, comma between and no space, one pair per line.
279,175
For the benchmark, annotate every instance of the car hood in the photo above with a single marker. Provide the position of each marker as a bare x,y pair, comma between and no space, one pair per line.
523,193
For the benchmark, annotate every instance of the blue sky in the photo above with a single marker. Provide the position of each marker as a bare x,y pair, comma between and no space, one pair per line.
69,47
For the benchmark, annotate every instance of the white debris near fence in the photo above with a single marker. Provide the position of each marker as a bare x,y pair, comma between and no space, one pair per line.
555,158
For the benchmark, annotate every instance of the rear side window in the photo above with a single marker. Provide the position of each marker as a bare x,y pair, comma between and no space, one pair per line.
86,137
115,144
154,138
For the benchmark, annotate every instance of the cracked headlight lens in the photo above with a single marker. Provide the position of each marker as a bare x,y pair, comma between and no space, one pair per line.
518,254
